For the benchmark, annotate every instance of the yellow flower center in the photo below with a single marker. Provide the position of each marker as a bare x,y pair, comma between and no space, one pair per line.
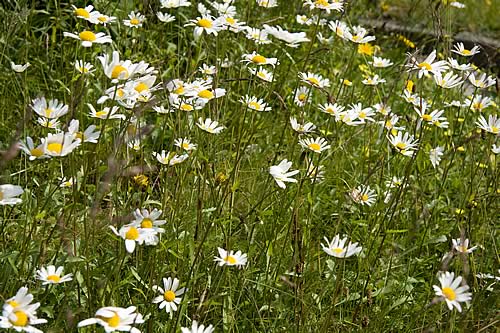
112,321
185,145
355,38
462,248
101,114
302,97
102,19
207,94
494,129
258,59
425,65
87,36
21,319
54,278
83,69
254,105
388,124
230,260
401,145
427,117
179,90
262,75
141,87
347,82
313,80
364,197
37,152
477,106
323,3
466,52
449,293
132,233
230,20
362,115
79,135
82,12
337,250
134,21
205,23
314,146
146,223
169,296
48,112
119,71
55,147
186,107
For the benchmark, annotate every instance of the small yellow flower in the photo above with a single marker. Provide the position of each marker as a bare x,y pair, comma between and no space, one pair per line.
366,48
141,180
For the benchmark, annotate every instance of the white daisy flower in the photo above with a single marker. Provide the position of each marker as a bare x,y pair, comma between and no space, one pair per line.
209,125
254,103
51,275
88,38
50,109
314,80
170,158
165,17
230,258
435,155
30,149
262,74
114,319
363,195
18,314
482,82
405,143
301,128
175,3
133,234
492,125
135,20
451,292
336,247
8,194
291,39
257,59
373,81
205,23
19,68
462,246
428,65
83,13
379,62
459,48
317,145
281,173
89,135
105,113
84,67
184,143
259,36
60,144
195,328
170,295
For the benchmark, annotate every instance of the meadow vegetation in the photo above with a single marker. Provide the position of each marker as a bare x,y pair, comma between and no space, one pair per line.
247,166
